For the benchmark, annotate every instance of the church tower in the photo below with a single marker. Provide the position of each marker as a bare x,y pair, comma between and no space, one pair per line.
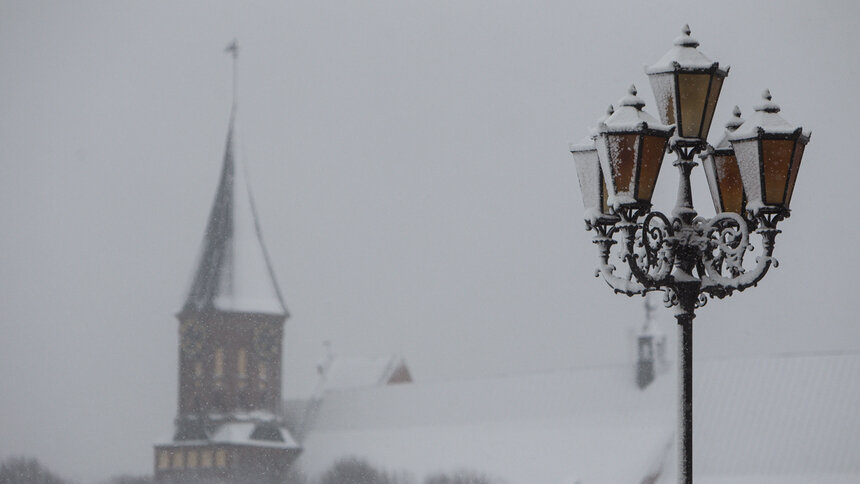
229,425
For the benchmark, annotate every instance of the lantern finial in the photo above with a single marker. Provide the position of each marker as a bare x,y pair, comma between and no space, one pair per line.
736,120
685,40
767,104
631,99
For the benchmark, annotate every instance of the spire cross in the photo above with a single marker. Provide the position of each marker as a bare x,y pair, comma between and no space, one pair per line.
233,49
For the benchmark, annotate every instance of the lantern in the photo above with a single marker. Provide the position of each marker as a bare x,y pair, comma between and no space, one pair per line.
591,184
768,150
723,174
630,146
687,85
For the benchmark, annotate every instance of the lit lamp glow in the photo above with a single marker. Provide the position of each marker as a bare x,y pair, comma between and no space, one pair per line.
768,150
722,172
687,85
630,145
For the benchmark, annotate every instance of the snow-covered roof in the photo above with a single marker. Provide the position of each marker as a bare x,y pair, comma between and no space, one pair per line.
683,53
353,372
792,417
787,418
242,433
233,271
589,425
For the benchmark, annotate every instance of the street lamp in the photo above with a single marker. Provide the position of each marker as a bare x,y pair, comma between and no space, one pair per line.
751,173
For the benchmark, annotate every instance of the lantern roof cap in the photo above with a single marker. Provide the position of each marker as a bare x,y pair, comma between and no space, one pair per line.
630,116
684,40
736,120
587,143
731,127
684,55
631,99
767,104
765,119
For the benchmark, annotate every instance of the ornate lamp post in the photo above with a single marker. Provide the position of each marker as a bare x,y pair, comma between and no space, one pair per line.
751,174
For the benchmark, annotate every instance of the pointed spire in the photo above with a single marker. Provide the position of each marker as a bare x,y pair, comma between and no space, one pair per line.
234,273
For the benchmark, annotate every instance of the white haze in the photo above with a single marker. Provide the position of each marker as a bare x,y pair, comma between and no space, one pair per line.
409,163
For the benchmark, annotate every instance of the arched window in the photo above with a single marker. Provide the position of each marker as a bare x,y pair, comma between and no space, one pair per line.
219,362
220,458
262,374
242,363
178,460
262,371
206,458
163,459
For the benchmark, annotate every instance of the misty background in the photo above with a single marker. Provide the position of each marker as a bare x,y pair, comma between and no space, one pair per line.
410,169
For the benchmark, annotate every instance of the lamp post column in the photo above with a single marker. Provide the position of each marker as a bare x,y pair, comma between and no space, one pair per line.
684,315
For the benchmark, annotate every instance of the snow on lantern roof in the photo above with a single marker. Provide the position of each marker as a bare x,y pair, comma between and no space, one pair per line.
734,123
683,54
766,119
587,143
233,272
630,116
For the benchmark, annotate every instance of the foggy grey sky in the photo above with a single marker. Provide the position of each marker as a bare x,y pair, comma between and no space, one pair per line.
410,168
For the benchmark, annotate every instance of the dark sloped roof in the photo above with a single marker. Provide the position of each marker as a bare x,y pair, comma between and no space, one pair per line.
233,272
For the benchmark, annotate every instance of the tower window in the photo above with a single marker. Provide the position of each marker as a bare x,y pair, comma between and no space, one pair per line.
192,459
262,371
163,459
206,458
198,369
219,362
220,458
242,363
262,374
178,460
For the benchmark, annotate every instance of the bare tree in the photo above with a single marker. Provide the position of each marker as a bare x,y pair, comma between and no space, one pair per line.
27,470
459,477
127,479
354,471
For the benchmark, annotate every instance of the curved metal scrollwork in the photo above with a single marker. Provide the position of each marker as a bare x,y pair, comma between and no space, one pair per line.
660,253
729,241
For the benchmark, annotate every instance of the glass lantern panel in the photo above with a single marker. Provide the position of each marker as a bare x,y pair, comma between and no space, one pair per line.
653,149
623,149
713,96
663,86
590,178
776,155
795,167
604,195
693,92
731,186
708,164
747,156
